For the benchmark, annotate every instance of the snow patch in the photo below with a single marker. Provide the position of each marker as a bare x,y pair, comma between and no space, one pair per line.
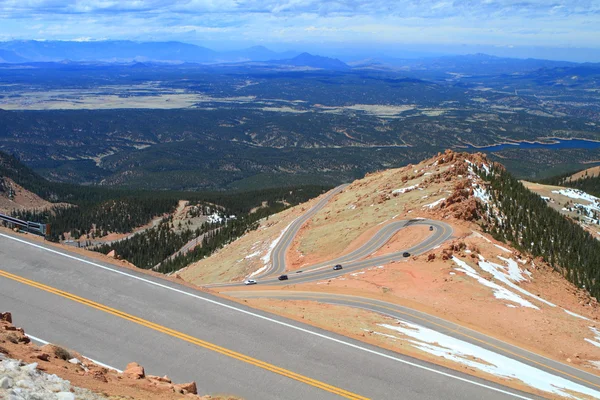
256,253
576,315
499,291
596,340
435,203
473,356
508,275
266,259
214,218
406,189
503,248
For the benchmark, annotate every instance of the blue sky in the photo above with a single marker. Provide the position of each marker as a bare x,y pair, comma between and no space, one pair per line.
306,24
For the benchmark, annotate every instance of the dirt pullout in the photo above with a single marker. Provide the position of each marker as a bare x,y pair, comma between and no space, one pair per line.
133,383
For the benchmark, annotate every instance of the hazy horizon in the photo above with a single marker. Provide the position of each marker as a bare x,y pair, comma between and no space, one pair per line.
560,30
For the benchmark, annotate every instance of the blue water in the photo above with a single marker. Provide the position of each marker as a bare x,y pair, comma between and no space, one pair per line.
560,144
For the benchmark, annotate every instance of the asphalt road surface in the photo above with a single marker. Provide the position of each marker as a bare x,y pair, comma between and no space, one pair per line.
116,316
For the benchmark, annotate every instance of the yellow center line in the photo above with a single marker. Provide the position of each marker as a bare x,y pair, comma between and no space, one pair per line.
345,298
187,338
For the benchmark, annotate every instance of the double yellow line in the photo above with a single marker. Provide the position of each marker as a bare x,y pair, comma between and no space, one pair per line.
190,339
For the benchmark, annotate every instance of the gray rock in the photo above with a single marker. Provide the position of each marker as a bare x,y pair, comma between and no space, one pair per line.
74,361
5,382
65,396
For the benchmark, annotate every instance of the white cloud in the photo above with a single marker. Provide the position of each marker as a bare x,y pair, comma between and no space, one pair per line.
492,22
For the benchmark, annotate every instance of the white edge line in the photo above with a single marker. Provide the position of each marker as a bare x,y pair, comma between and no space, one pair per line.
271,319
42,341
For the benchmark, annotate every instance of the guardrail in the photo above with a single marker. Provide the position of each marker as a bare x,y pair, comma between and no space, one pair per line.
33,227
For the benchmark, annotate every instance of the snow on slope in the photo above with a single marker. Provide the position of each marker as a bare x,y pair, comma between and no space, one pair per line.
500,292
590,210
484,360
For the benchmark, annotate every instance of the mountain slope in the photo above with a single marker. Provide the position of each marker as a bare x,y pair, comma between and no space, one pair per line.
506,287
313,61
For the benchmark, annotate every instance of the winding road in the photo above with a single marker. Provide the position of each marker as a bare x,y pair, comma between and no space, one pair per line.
116,315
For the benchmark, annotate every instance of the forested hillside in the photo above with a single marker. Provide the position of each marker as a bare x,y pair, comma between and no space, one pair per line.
516,215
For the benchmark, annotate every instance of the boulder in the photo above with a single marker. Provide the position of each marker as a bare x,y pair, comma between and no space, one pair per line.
134,370
187,388
112,254
6,316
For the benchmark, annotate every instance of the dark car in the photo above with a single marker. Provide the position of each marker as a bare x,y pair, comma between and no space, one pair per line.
283,277
406,254
431,228
337,267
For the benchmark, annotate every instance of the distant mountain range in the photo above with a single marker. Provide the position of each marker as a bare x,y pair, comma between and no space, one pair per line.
124,51
129,51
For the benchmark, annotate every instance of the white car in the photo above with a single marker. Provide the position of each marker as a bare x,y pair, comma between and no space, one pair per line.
250,282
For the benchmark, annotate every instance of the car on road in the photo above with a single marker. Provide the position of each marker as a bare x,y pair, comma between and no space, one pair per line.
283,277
337,267
250,282
406,254
431,228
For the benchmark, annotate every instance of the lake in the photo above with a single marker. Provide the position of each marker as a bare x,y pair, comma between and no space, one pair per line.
560,144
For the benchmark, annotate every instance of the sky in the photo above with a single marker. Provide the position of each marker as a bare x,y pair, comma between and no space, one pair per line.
509,27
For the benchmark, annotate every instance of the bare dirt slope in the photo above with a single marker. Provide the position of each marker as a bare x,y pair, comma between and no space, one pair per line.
20,200
593,171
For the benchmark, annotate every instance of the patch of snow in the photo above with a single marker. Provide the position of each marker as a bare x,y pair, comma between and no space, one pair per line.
256,253
406,189
474,356
481,193
577,194
214,218
358,273
352,207
576,315
499,291
258,271
435,203
508,275
267,257
596,341
486,167
545,198
481,236
503,248
511,306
